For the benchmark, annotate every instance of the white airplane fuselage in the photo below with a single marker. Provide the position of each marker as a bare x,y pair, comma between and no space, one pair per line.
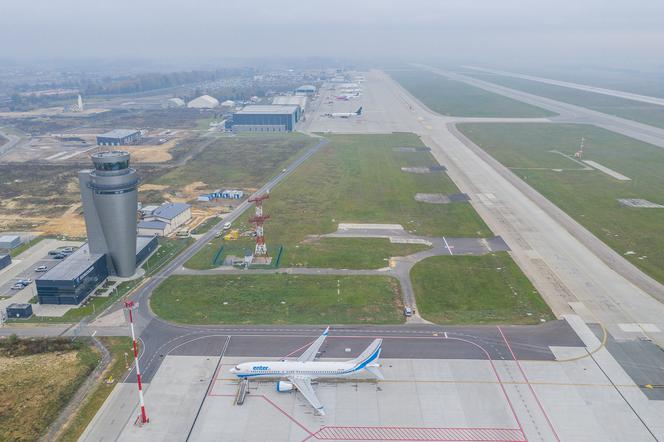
279,369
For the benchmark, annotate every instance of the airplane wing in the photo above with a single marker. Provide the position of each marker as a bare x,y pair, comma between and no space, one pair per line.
303,385
311,352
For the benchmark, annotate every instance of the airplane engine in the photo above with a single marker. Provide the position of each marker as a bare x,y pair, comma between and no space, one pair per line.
283,386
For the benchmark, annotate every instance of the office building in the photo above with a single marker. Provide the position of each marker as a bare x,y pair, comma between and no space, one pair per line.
165,219
74,278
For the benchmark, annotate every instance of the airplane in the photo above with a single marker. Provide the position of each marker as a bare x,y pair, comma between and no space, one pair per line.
348,96
302,371
357,113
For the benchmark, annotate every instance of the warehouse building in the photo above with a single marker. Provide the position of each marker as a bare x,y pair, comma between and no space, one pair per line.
9,242
16,310
5,260
73,279
203,102
119,137
292,100
266,118
165,219
175,102
306,90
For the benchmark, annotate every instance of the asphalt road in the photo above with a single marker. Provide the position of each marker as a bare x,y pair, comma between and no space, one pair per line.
582,87
567,112
402,341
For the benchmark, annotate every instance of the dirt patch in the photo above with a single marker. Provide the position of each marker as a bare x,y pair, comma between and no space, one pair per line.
146,187
152,153
189,192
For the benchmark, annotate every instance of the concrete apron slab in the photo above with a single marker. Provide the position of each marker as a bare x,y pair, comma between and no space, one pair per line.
173,399
419,399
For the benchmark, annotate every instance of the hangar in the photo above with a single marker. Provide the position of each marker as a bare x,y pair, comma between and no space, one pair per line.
118,137
266,118
292,100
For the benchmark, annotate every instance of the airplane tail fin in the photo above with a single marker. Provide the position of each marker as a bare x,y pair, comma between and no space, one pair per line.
359,111
369,355
374,370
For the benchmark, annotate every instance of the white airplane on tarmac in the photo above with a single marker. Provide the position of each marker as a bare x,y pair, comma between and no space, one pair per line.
357,113
302,371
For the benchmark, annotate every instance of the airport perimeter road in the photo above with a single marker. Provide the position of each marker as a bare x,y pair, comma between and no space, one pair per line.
582,87
569,113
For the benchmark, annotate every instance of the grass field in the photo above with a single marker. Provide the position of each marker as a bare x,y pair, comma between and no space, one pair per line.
243,161
590,197
278,299
651,114
356,178
206,225
455,98
117,346
36,382
497,292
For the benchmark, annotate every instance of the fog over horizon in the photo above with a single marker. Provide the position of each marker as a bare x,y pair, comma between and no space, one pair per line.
205,32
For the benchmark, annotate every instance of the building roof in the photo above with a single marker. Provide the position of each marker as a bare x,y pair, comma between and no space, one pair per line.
118,133
156,224
203,102
297,100
149,209
18,305
72,266
267,109
307,87
176,101
170,210
228,103
9,238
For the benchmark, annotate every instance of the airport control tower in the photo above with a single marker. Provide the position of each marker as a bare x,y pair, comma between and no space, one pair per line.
109,197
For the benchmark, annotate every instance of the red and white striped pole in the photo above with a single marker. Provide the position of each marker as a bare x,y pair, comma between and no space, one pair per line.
129,305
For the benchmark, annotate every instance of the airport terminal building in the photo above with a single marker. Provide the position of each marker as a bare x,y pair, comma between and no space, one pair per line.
266,118
76,277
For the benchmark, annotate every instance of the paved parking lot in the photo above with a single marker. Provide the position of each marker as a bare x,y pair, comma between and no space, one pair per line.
23,267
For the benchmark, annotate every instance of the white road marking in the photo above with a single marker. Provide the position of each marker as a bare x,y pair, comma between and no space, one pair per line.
448,246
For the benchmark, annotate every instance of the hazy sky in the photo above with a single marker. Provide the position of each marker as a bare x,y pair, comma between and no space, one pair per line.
457,30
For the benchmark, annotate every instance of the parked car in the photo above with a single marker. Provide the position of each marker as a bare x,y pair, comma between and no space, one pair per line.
60,256
24,282
53,252
407,311
18,287
67,250
41,269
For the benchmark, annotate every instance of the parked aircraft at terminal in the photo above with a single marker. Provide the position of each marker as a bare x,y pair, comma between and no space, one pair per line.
357,113
302,371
